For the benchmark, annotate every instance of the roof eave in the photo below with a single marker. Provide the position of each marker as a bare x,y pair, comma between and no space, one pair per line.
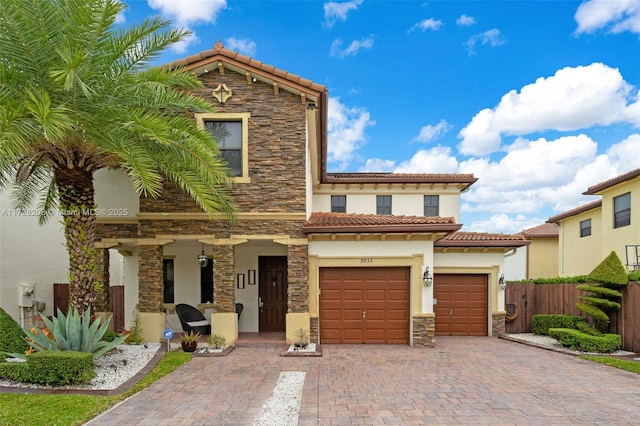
376,229
467,243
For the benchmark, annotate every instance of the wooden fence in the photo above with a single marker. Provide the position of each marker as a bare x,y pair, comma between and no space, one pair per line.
61,300
531,299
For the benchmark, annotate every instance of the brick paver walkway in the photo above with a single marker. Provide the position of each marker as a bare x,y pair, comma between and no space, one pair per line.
464,380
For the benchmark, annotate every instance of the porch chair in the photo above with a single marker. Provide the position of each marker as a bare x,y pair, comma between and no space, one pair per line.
192,319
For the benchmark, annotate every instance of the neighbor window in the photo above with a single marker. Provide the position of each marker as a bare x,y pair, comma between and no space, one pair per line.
383,204
432,205
167,280
585,228
338,204
231,133
622,210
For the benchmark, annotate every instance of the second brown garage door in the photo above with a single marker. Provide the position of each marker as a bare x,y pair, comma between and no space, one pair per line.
364,305
463,304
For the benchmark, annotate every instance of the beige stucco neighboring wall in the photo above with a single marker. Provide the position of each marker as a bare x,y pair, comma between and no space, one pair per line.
114,195
617,238
579,255
543,258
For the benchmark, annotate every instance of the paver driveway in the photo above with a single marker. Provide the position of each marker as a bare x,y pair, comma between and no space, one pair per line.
464,380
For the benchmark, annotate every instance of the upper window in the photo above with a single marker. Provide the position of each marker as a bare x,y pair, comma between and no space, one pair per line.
338,204
622,210
432,205
585,228
230,131
383,204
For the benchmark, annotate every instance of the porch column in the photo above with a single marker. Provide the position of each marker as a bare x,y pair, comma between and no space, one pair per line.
150,289
224,320
298,316
103,296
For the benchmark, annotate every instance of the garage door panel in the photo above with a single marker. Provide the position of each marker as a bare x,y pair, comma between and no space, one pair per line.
383,293
463,304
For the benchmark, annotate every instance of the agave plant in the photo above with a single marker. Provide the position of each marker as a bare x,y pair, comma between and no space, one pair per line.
74,332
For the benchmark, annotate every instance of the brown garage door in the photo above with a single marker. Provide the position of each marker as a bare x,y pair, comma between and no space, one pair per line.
364,305
463,304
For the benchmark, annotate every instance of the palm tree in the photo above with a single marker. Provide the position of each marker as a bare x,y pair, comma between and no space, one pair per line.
77,94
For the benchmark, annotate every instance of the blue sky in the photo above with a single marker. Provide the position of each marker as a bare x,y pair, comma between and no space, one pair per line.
538,99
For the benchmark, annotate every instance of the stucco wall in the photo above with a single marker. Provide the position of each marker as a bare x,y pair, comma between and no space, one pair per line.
30,254
543,258
579,255
617,238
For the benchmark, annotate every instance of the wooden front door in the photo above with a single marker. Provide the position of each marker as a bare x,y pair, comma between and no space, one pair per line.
272,273
463,304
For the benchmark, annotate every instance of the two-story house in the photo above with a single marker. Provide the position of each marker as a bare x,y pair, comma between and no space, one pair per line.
587,234
344,257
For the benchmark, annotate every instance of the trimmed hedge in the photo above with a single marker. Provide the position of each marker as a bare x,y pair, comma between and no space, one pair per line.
12,338
541,323
54,368
580,341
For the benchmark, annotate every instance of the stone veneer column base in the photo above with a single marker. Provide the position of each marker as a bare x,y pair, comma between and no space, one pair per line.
497,323
225,324
314,332
424,329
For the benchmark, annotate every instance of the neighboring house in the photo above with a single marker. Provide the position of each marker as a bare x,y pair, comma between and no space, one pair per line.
587,234
342,257
537,260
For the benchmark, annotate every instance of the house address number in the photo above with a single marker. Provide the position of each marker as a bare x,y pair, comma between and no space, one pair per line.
366,260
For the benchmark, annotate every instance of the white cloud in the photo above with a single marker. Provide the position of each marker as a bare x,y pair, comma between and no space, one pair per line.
241,45
121,18
378,165
186,14
334,11
346,131
491,37
426,24
430,132
615,16
465,20
352,49
435,160
571,99
505,224
189,12
625,155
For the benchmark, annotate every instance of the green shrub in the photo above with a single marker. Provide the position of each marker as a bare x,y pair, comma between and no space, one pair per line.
585,327
541,323
604,304
580,341
52,368
603,291
634,276
11,335
74,333
59,368
610,271
600,317
109,336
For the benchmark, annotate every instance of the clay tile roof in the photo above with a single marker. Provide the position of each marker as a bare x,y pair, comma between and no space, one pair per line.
546,230
481,239
400,178
320,223
576,211
611,182
219,52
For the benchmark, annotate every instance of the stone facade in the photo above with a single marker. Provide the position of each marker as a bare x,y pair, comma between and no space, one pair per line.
424,329
314,333
103,296
497,323
150,286
298,276
224,293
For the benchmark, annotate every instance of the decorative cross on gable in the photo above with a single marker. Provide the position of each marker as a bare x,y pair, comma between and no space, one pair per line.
222,93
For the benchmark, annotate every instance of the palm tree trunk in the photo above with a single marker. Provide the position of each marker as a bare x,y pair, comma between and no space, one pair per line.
77,205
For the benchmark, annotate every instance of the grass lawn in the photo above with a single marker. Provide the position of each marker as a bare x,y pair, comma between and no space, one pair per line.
623,364
65,410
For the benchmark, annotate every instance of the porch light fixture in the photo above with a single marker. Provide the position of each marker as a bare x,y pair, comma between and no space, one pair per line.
203,260
501,282
427,279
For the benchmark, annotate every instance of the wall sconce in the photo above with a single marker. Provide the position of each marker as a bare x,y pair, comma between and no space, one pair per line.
203,260
502,283
427,279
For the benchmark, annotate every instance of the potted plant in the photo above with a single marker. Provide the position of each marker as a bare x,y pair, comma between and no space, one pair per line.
189,341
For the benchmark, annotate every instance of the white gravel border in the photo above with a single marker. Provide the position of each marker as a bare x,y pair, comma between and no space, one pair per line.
283,407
